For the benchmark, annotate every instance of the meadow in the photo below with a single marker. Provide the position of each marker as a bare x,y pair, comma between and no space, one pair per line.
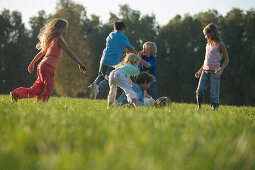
78,133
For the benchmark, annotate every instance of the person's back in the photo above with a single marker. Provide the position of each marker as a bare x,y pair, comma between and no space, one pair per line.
119,78
53,53
115,43
129,70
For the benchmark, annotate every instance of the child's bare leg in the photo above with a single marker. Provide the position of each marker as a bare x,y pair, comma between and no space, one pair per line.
36,100
110,103
13,97
112,92
135,102
198,105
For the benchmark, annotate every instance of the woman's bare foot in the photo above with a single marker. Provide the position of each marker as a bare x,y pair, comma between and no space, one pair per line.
198,105
12,97
36,101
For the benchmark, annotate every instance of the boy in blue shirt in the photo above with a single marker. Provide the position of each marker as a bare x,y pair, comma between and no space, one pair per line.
112,54
148,64
143,82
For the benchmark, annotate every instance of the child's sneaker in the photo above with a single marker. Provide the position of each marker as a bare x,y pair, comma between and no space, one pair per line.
12,97
94,91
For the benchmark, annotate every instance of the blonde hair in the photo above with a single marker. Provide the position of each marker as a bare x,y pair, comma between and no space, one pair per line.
215,35
152,47
130,58
50,30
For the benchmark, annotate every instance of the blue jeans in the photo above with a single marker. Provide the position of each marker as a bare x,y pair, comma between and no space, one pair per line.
152,91
103,76
208,77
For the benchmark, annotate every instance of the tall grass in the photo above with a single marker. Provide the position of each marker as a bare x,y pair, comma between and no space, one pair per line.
71,133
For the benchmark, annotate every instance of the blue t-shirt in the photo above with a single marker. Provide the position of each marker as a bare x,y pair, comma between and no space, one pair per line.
115,44
140,93
152,70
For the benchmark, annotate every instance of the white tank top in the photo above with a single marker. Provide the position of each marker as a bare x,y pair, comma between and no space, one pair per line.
212,57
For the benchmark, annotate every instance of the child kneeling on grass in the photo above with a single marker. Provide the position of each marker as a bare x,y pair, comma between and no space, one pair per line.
119,77
143,82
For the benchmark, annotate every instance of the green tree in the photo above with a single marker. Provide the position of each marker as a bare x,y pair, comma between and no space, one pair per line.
13,51
237,77
179,50
36,23
68,80
249,58
139,28
95,34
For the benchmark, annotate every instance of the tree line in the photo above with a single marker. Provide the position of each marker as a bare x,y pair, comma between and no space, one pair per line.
181,49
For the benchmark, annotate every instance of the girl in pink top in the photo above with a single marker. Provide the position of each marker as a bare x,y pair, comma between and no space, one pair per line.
211,70
51,44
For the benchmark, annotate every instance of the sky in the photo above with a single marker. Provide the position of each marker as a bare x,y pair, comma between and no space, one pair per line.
164,10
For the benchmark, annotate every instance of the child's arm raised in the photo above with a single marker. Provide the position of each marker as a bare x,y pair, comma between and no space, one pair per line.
62,43
145,63
30,68
131,51
223,50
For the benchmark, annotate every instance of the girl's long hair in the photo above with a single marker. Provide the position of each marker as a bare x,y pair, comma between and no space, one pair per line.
50,30
215,35
129,59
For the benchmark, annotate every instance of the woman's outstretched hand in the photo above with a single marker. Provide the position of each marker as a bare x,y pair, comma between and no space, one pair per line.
198,74
30,68
82,68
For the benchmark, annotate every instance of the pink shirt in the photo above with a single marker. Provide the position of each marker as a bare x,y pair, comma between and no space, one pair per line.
212,57
53,53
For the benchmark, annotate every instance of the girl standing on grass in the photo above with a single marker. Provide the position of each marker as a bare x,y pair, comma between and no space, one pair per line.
51,44
119,77
211,70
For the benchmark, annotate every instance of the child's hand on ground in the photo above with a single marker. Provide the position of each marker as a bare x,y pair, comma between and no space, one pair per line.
198,74
82,68
30,68
219,71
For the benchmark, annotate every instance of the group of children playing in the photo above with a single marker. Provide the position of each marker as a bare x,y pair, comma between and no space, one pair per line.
117,73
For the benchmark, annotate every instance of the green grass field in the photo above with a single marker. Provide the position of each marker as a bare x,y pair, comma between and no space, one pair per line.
72,133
